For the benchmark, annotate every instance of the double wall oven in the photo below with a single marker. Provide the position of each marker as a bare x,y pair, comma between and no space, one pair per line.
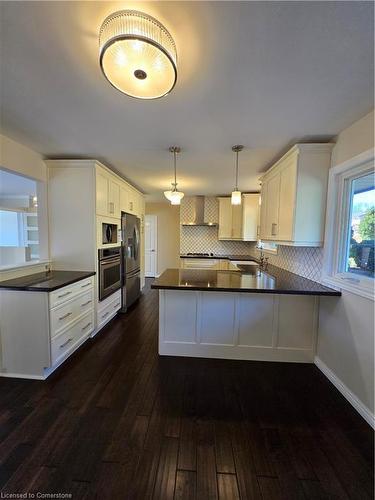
110,271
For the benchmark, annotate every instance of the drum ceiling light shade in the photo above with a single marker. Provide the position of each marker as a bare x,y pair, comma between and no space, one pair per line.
137,55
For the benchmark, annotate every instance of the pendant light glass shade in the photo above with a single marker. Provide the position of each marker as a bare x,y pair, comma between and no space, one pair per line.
174,195
168,195
137,54
236,197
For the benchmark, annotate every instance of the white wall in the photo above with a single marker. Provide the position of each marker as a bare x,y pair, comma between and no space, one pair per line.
21,159
346,325
168,234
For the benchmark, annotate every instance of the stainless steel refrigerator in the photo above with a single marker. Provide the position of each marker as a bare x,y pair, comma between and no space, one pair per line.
131,270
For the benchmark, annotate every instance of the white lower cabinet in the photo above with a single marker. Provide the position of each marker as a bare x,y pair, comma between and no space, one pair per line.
39,330
200,263
67,313
233,325
107,309
66,341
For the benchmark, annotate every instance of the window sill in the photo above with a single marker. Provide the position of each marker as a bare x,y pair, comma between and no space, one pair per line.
341,284
31,263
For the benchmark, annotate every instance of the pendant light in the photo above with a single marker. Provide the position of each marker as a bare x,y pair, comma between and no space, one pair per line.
174,195
236,194
137,54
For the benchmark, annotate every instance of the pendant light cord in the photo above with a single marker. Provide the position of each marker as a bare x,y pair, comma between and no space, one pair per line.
175,168
236,171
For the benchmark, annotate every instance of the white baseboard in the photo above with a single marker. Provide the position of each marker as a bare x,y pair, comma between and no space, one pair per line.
346,392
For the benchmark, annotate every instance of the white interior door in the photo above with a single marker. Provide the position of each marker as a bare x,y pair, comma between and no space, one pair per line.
151,238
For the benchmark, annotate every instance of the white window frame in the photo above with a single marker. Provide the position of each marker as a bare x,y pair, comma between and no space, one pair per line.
336,231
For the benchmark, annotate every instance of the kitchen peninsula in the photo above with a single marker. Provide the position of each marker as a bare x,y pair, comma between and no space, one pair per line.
248,313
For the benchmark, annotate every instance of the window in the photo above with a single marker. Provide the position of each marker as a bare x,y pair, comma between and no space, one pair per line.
359,251
267,246
19,232
349,238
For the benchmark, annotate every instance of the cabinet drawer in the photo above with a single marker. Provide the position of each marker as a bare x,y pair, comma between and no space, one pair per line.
201,264
108,311
109,300
64,294
69,311
67,340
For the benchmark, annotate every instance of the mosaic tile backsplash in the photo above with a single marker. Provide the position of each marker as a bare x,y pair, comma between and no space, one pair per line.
304,261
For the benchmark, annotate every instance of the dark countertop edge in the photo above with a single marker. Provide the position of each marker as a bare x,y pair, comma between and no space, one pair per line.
32,288
334,293
222,257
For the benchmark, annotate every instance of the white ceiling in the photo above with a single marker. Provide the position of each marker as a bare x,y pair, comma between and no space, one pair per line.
16,185
264,74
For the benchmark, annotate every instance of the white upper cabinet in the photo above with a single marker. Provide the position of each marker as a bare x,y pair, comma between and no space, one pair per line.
114,196
225,219
114,199
107,194
130,201
239,222
293,196
102,190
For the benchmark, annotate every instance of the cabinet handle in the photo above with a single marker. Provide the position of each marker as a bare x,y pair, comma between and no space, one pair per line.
86,303
86,326
87,284
111,207
116,305
65,316
105,315
131,205
63,295
273,230
65,343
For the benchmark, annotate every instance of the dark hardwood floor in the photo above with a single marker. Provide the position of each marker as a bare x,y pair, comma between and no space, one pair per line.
118,422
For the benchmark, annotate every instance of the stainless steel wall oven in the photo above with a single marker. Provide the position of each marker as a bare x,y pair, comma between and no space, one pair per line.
110,273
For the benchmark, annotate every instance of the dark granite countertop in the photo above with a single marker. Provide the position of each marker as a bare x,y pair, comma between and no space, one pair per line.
252,279
45,282
214,256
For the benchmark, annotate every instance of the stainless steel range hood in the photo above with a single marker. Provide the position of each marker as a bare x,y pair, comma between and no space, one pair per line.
197,213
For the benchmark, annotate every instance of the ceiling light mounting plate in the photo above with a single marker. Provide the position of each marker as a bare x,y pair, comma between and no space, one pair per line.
237,148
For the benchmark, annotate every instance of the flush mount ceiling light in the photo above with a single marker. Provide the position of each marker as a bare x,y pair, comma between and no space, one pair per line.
174,195
236,194
137,54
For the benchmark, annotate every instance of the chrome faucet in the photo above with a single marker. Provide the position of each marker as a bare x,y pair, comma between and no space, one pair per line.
263,261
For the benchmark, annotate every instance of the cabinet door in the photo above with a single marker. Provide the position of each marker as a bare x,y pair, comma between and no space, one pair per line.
132,202
250,212
124,199
114,199
263,211
225,219
272,218
236,222
288,182
102,188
